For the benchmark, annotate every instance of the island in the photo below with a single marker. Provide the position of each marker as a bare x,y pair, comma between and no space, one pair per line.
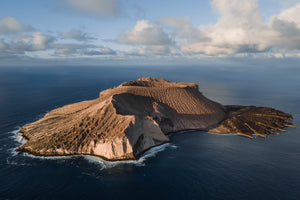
127,120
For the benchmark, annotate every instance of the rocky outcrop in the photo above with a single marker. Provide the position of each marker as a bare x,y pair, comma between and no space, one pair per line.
249,120
129,119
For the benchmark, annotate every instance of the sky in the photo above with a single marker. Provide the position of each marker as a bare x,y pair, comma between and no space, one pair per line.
96,32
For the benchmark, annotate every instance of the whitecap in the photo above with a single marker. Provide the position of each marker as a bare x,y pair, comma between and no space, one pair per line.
153,151
50,157
17,136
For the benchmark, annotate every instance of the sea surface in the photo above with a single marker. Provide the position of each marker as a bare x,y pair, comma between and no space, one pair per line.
195,165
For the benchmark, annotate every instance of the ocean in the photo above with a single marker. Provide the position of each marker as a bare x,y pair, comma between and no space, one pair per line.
195,165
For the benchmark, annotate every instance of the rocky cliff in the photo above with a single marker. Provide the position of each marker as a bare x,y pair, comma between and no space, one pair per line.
129,119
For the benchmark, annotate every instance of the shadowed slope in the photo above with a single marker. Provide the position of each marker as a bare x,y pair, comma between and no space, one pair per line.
129,119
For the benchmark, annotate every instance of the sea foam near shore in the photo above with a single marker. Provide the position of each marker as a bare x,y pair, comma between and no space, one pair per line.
104,164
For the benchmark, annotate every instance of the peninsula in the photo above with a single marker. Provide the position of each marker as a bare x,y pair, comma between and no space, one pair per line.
127,120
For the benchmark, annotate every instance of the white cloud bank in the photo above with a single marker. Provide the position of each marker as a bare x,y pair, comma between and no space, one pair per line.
103,8
240,29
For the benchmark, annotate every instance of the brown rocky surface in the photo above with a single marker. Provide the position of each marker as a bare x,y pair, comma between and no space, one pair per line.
127,120
249,120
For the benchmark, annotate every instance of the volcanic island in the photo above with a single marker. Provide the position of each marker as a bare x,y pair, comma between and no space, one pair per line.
127,120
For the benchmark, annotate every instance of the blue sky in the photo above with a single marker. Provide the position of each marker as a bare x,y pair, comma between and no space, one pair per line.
130,31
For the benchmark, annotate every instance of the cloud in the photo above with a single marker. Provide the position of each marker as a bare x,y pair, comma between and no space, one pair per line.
18,42
240,29
20,38
41,41
182,27
10,25
149,38
73,49
286,25
21,43
103,8
70,49
149,50
99,52
77,35
2,44
145,33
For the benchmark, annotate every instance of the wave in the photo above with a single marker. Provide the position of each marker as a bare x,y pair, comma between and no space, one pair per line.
104,164
17,136
19,140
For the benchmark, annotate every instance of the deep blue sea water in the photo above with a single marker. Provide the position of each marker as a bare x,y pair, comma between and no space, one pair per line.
196,165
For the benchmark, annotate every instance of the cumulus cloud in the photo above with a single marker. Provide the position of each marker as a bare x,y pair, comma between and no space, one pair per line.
145,33
150,39
41,41
286,25
18,38
182,27
103,8
240,29
11,25
21,43
77,35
